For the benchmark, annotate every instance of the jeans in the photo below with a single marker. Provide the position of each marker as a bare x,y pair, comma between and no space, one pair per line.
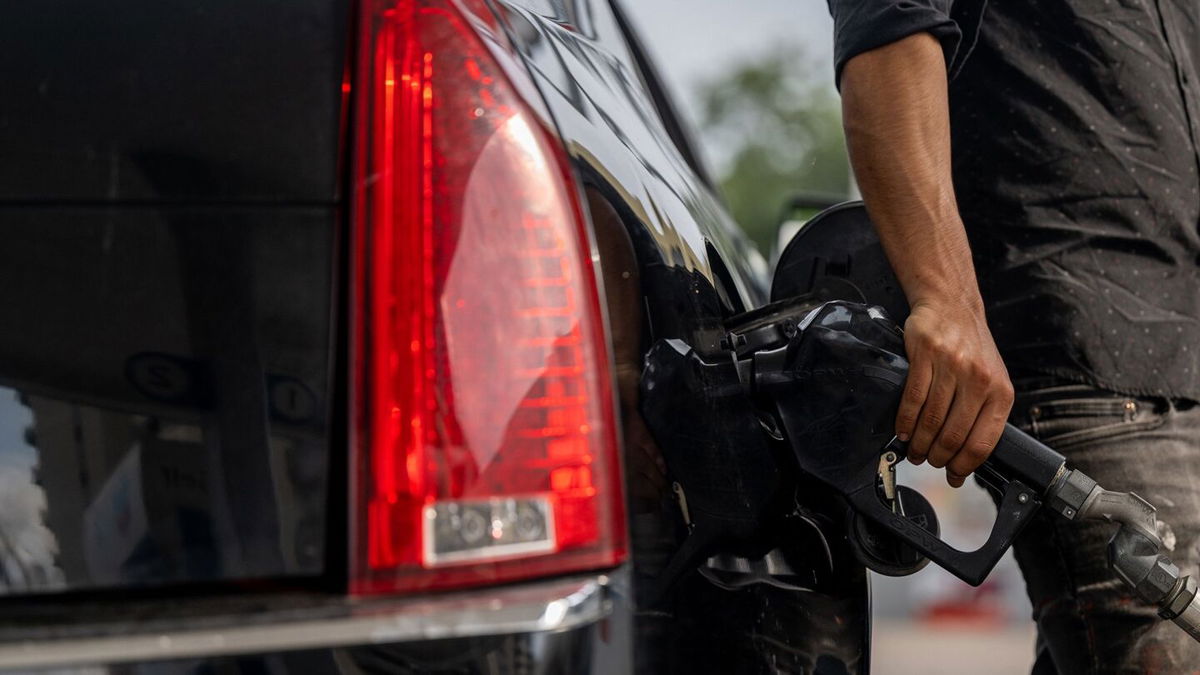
1088,621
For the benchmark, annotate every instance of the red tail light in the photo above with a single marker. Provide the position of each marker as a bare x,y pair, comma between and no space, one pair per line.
485,445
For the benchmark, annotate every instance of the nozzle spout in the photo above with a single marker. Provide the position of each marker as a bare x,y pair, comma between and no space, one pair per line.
1134,552
1183,607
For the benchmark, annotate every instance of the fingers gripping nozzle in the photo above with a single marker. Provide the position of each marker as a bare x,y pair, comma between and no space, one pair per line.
822,380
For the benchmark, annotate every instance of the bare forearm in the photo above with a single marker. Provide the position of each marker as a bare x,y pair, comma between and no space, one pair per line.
957,395
896,117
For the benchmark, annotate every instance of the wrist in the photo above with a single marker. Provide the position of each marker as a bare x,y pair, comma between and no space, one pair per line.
959,297
944,276
932,261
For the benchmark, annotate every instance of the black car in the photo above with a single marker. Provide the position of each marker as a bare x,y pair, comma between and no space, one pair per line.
321,329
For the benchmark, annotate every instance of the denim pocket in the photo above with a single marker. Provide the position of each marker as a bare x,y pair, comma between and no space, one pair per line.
1069,421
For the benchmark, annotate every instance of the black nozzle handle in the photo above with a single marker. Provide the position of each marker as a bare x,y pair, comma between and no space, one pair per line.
1019,456
1017,505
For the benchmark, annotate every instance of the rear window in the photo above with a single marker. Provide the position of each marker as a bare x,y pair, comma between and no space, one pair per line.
164,395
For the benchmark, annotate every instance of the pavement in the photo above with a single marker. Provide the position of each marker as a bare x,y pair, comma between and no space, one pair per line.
913,648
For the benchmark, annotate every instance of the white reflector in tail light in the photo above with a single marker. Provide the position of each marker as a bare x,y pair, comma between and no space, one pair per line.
485,444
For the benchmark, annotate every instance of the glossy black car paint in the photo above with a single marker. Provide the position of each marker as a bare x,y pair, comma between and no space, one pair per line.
193,133
696,272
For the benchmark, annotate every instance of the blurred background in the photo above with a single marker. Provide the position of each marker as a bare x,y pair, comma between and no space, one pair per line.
754,79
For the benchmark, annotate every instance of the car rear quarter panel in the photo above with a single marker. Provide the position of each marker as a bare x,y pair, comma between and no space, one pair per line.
590,82
695,269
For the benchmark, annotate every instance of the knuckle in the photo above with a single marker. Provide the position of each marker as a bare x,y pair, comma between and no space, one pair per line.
931,343
931,422
920,334
951,439
913,395
978,451
958,361
980,372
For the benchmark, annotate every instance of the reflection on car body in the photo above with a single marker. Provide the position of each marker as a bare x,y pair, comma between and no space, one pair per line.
190,295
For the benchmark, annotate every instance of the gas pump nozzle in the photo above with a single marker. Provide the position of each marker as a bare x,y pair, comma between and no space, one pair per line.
833,377
823,367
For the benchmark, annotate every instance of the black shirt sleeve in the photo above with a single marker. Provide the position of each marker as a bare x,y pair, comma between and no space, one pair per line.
863,25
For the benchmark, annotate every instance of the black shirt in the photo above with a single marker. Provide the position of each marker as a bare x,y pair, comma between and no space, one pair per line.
1074,135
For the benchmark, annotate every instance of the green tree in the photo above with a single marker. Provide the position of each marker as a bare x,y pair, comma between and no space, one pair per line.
779,125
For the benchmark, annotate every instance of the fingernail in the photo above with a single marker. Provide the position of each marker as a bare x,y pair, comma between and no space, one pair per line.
902,437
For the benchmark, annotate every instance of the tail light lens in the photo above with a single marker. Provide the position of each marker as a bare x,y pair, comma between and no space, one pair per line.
485,441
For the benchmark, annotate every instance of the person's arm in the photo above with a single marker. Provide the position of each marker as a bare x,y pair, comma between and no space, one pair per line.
895,112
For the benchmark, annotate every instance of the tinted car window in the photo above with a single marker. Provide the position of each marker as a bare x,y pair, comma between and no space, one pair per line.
164,395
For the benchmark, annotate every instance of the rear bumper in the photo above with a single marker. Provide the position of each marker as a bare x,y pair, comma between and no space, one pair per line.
543,607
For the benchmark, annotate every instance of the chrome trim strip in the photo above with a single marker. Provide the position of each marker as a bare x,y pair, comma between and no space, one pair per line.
545,606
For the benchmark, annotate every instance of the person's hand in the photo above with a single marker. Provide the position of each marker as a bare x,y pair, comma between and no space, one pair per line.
958,394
